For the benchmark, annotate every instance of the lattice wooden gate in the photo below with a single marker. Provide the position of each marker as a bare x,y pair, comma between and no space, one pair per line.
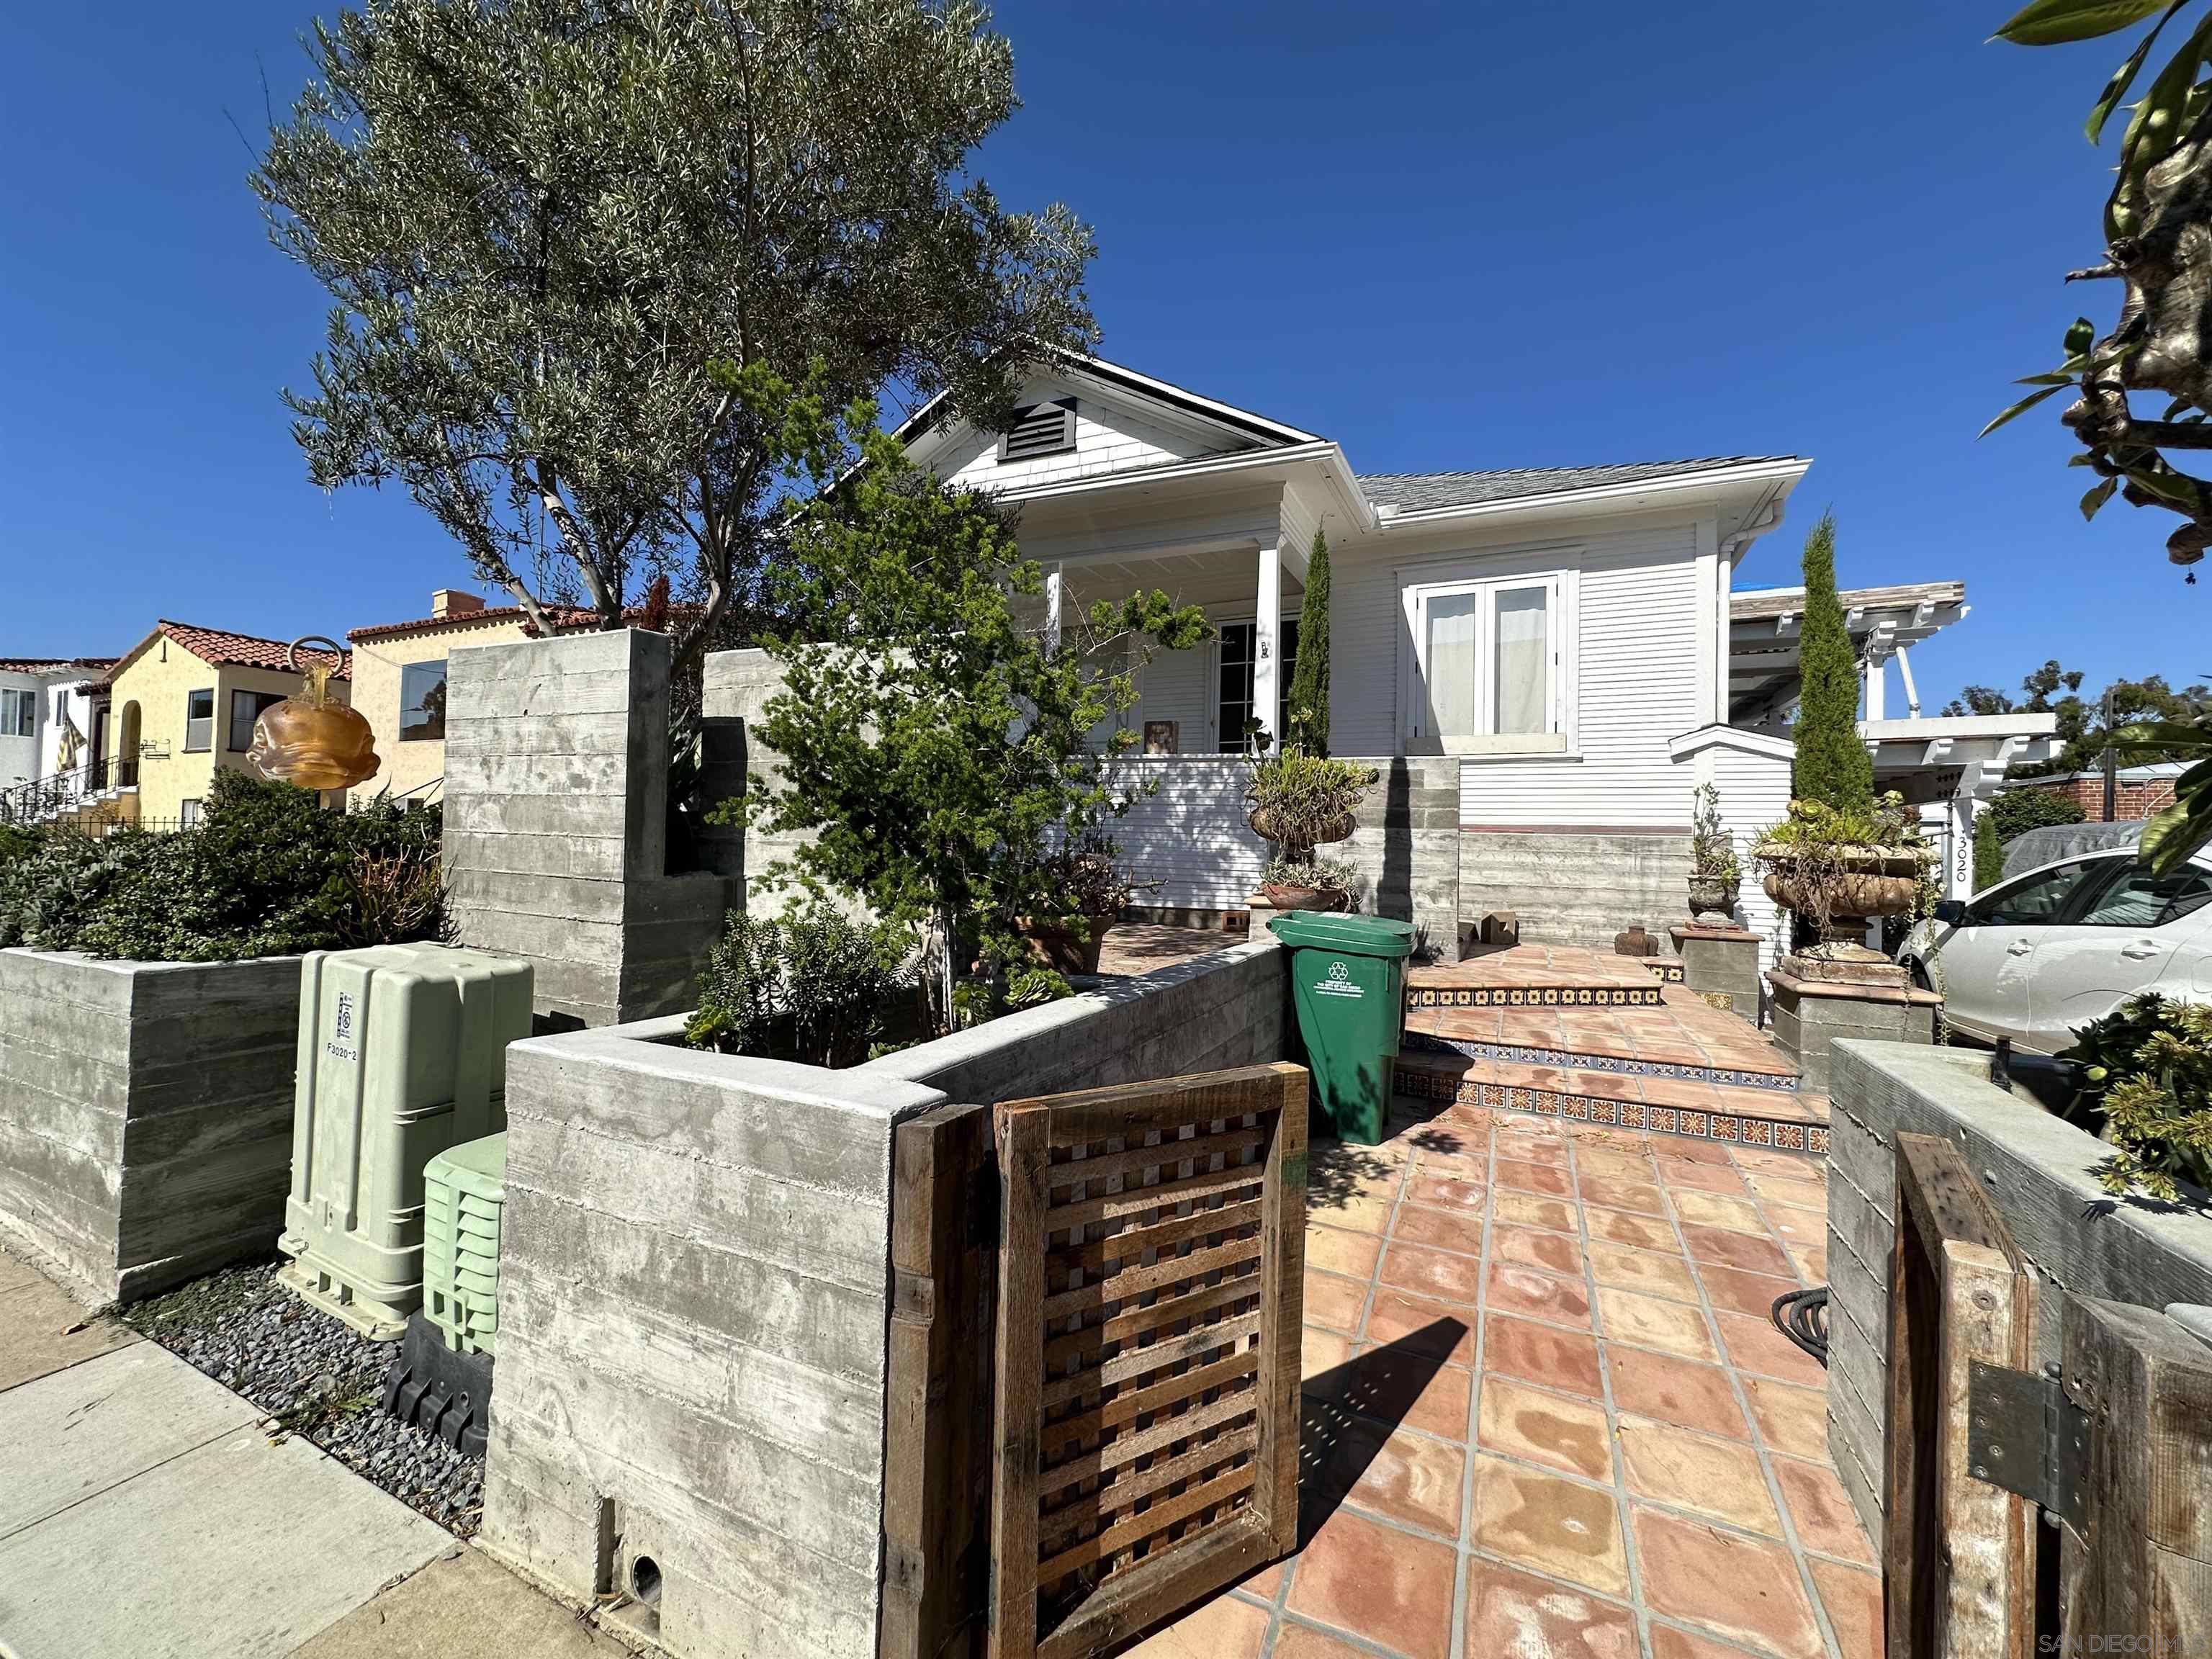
1151,1252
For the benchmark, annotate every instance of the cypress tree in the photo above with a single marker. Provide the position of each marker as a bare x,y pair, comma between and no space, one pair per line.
1308,715
1833,767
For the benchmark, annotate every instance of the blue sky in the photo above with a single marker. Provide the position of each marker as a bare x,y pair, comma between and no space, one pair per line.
1446,235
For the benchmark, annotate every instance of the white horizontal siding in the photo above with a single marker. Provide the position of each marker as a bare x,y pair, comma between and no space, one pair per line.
1109,437
1178,685
1190,835
1753,792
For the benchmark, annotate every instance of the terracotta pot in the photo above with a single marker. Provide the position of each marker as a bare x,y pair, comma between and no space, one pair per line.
1263,825
1071,946
1304,898
1875,883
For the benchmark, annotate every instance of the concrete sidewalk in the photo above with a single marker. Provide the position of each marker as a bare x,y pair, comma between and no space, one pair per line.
145,1514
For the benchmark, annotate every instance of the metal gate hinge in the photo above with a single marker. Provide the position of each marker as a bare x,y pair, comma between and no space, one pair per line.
2025,1434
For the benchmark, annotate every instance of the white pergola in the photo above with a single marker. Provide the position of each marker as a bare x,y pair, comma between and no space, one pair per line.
1950,767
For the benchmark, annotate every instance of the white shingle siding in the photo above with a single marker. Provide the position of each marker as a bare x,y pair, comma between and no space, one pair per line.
1108,439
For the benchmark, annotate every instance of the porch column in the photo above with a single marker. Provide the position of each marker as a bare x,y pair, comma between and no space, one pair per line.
1266,624
1879,646
1054,589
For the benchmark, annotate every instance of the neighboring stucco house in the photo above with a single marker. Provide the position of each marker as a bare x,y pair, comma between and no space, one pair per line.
46,722
179,706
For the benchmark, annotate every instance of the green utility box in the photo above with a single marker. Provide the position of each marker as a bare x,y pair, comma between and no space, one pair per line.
463,1192
1348,979
403,1055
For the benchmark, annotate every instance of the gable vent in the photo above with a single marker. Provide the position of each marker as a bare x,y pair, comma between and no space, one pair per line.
1040,429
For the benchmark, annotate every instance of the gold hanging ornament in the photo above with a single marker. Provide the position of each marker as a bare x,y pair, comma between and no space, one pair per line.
309,740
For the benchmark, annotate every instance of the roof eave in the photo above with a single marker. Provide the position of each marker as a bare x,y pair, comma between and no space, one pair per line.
1783,474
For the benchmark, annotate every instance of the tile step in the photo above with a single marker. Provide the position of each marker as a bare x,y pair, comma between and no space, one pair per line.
1761,1067
1772,1118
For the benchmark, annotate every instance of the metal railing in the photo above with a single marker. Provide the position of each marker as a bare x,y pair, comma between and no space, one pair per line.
41,800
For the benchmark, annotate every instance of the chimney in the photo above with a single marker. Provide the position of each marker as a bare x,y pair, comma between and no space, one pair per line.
451,602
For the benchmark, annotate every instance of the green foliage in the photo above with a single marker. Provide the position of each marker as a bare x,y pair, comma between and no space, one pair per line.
1083,878
1989,852
1332,875
1308,725
1886,823
16,843
2147,1071
1299,800
941,747
266,871
813,986
1712,849
2176,832
2052,689
2016,811
543,223
1833,767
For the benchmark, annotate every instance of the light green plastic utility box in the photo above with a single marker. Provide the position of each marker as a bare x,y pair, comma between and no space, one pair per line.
403,1055
463,1192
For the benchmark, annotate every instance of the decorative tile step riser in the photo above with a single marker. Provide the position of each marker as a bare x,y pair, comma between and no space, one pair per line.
1734,1128
1620,1065
1535,996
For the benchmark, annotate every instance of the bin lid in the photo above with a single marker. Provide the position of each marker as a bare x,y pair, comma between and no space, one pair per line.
1364,936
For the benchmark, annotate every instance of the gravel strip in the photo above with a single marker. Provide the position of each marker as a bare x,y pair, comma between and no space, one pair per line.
312,1374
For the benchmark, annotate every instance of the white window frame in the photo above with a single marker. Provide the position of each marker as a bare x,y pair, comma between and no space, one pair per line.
1416,587
1240,613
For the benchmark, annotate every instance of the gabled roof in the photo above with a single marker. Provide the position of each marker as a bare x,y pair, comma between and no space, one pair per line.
563,618
1418,492
219,648
54,664
1268,432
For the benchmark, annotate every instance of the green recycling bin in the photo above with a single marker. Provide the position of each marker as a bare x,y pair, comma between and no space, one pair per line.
1348,975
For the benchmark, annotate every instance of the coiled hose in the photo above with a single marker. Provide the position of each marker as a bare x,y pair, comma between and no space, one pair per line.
1802,1316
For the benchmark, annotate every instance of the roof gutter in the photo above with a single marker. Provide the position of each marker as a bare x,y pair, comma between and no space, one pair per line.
1322,450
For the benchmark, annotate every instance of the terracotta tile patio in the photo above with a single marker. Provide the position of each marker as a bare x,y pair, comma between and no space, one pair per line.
1546,1414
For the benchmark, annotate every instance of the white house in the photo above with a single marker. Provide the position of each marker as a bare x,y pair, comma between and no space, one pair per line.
47,721
1541,657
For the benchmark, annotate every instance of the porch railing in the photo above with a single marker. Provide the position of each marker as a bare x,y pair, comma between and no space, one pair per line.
42,799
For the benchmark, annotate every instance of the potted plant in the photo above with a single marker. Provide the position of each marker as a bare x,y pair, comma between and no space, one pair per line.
1300,801
1093,892
1714,873
1840,866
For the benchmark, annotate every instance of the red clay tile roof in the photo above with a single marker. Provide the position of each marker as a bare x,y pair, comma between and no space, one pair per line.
562,616
222,648
53,665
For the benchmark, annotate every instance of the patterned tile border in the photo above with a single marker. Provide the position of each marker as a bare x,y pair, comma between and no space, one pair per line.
1568,1059
1736,1129
1535,996
1667,972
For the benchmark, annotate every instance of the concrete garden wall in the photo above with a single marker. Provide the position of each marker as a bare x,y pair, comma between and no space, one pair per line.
145,1113
696,1294
2036,1167
556,824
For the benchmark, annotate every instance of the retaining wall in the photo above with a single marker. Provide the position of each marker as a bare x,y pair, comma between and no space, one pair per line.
696,1295
2036,1167
145,1114
1573,887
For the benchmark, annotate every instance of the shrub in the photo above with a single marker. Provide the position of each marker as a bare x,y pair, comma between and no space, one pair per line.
1307,728
1336,875
267,872
1988,853
1299,800
2016,811
2147,1074
812,986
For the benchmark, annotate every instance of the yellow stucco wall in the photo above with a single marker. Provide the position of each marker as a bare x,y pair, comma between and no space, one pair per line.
159,682
415,764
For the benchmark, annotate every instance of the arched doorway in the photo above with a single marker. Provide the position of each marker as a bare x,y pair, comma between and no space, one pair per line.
126,746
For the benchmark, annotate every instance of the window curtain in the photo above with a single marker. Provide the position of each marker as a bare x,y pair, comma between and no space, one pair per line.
1454,620
1524,662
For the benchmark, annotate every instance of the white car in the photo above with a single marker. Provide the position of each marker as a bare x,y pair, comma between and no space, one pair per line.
2043,953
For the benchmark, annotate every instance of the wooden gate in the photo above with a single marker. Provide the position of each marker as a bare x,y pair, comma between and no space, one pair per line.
2110,1450
1151,1250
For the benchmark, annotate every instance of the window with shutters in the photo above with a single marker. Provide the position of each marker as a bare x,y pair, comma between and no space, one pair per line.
1040,429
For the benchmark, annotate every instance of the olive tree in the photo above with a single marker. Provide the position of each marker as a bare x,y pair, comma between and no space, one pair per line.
549,227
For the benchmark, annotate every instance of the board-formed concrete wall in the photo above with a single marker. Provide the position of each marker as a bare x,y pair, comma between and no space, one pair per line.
556,823
1575,887
2036,1169
1405,846
696,1291
145,1114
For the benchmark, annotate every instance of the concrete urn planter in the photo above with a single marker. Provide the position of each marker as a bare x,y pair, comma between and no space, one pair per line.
1875,881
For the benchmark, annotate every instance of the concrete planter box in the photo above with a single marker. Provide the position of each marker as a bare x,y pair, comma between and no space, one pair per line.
2036,1167
695,1296
145,1114
1721,964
